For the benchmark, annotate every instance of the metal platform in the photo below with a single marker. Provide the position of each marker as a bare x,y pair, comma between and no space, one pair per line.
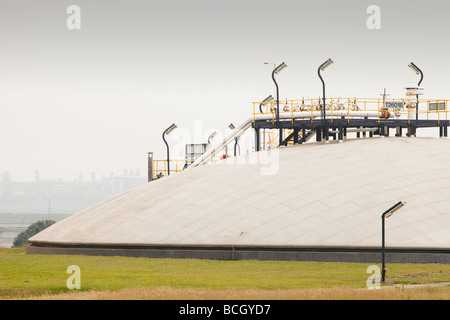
403,115
338,128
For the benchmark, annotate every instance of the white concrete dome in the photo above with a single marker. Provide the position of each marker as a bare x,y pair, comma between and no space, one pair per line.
313,197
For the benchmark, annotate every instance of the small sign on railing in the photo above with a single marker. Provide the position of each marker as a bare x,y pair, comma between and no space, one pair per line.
437,106
394,105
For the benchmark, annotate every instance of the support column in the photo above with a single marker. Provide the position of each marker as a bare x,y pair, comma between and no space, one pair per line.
150,166
280,143
296,136
257,140
318,135
364,133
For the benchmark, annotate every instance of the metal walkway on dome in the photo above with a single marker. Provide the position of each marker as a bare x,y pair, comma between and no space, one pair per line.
291,122
342,115
300,120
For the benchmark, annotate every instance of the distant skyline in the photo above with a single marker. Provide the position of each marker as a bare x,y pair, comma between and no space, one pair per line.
99,98
44,195
93,176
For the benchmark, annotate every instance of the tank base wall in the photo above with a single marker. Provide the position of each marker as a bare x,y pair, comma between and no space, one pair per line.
357,255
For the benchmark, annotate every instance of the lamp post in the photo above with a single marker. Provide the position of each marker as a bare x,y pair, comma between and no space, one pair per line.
236,140
274,72
150,166
265,101
384,216
418,72
231,127
274,65
322,67
211,136
275,89
168,131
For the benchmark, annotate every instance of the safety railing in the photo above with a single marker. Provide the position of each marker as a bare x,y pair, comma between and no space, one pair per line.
160,167
408,108
405,108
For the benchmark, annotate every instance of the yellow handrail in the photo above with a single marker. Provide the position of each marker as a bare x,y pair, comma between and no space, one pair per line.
370,104
160,167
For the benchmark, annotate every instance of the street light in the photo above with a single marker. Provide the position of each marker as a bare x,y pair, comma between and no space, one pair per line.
236,140
418,72
277,70
231,127
211,136
384,216
265,101
415,69
168,131
274,65
322,67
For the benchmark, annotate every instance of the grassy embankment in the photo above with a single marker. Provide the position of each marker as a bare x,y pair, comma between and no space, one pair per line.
25,276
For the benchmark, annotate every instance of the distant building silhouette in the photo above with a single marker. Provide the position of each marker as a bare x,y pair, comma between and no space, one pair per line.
66,196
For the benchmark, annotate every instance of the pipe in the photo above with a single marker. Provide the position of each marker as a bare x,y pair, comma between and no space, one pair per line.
357,130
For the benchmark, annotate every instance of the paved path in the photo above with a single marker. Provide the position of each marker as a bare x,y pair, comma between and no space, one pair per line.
423,285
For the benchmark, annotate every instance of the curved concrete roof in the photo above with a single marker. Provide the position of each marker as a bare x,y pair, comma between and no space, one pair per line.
322,195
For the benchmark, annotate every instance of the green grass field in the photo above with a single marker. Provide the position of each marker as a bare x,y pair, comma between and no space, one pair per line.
24,276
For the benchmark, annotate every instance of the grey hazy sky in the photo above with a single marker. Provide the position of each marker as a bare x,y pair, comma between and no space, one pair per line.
97,99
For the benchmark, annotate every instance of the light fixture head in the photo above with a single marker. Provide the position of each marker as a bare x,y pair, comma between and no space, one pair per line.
211,136
170,129
395,209
414,68
268,99
326,64
279,68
